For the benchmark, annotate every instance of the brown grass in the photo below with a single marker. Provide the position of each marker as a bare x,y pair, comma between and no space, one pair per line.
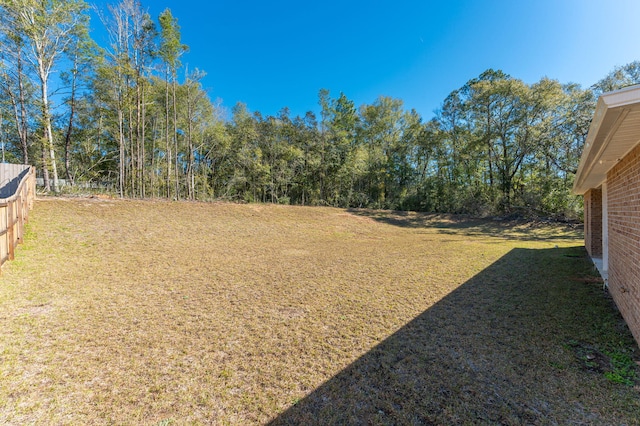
127,312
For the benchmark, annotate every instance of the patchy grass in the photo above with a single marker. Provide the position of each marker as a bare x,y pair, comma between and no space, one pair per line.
127,312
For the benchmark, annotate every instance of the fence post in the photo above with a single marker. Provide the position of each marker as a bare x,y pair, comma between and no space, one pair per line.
10,230
19,221
4,247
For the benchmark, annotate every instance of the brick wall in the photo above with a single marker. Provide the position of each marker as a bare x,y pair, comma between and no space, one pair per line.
623,196
593,222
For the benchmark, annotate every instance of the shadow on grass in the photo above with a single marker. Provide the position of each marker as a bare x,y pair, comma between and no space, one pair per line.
509,346
460,224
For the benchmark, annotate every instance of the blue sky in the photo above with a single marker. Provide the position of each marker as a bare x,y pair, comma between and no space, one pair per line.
272,54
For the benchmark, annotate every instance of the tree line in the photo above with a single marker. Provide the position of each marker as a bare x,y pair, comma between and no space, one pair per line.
130,116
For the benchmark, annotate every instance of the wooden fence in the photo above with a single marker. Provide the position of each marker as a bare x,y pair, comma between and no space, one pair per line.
17,193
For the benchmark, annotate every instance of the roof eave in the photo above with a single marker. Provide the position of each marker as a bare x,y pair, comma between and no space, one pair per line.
611,110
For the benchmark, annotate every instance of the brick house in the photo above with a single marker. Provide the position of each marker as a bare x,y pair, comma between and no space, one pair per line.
609,178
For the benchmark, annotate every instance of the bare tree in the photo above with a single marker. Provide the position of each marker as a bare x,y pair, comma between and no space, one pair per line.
15,85
47,28
130,51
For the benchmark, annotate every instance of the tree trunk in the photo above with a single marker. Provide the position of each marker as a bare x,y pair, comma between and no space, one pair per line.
152,175
20,115
22,126
167,140
190,171
141,150
48,132
175,137
69,132
121,174
132,154
45,168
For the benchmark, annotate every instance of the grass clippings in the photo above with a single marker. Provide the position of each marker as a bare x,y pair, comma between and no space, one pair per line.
159,313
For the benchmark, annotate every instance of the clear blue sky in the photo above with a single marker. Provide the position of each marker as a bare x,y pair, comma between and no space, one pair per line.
272,54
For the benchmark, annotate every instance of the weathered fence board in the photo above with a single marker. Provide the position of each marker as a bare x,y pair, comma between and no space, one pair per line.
17,193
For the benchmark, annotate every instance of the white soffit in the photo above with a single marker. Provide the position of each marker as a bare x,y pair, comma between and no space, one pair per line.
614,131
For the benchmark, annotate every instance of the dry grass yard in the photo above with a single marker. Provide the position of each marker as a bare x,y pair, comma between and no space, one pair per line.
159,313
